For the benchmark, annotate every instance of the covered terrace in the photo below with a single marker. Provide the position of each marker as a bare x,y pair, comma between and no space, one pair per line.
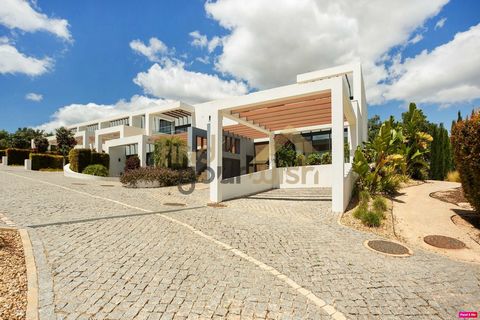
318,100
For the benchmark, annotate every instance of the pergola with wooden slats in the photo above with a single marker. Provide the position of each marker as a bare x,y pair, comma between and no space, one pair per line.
293,113
179,113
241,130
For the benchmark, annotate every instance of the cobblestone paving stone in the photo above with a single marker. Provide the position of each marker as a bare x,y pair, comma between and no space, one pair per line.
148,268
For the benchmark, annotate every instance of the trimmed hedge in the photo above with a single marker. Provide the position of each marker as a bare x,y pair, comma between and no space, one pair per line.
82,158
79,159
101,158
96,170
466,152
164,176
46,161
17,156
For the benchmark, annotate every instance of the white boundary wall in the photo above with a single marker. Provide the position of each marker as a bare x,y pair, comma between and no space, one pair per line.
248,184
319,176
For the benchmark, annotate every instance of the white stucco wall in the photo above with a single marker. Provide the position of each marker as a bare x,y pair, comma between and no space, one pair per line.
247,184
319,176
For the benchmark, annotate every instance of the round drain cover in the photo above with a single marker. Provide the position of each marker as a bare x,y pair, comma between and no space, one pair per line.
444,242
388,247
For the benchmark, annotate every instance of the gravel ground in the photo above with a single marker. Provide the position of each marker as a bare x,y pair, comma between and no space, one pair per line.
13,279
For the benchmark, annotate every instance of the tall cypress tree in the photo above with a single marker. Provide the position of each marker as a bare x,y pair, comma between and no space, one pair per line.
441,153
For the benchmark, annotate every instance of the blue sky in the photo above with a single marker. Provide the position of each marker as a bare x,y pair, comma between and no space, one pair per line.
64,62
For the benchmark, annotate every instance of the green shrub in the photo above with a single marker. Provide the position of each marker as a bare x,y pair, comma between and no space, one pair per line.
286,155
96,170
360,211
164,176
364,197
100,158
371,219
79,159
314,159
45,161
132,163
379,204
17,156
300,160
319,158
379,164
466,151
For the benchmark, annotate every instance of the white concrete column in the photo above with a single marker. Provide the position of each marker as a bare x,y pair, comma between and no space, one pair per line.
142,151
337,147
98,143
216,153
271,151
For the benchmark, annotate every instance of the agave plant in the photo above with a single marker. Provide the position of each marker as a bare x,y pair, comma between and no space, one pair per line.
380,164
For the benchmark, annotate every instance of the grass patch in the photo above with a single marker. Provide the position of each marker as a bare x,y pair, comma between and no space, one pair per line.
370,211
371,219
453,176
379,204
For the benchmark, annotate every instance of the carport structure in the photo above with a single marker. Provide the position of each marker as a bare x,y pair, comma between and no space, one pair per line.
332,98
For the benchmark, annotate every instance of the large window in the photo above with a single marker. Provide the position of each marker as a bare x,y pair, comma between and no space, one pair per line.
131,149
92,127
231,145
164,126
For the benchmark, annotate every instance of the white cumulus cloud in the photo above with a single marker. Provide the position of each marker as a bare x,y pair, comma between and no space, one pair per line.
34,97
19,14
12,61
268,45
154,50
447,74
76,113
173,81
440,23
201,41
198,40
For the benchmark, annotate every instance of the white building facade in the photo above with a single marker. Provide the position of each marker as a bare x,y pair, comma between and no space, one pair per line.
235,138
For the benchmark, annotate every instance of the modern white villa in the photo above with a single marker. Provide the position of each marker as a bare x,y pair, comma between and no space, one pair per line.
235,137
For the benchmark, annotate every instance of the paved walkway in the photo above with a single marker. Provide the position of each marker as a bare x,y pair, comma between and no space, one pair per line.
106,252
419,215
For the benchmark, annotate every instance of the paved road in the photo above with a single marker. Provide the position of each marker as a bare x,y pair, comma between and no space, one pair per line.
106,252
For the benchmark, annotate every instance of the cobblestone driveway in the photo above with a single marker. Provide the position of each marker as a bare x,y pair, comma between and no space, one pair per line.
116,259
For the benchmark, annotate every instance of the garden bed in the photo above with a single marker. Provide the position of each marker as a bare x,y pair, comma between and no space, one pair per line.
13,276
386,229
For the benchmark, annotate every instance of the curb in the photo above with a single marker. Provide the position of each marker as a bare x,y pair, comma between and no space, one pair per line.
32,281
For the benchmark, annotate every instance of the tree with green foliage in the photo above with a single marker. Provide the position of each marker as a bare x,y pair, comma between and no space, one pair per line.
416,144
441,161
286,155
5,140
65,141
41,144
379,164
171,152
374,124
22,138
466,150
